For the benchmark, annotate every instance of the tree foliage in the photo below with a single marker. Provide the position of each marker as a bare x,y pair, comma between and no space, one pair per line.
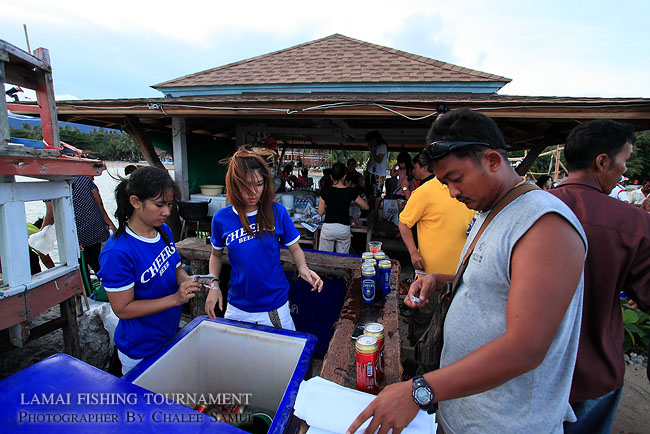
100,143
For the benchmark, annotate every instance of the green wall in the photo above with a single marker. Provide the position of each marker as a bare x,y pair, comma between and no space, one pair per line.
203,155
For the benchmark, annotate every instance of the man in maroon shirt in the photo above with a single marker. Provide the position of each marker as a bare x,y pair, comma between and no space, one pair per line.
618,260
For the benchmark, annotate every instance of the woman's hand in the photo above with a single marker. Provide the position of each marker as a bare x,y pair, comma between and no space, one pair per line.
214,296
311,277
186,291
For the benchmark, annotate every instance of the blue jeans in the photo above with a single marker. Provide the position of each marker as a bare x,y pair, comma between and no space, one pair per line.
595,416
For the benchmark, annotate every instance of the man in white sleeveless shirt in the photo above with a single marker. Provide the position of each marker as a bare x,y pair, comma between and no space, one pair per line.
511,333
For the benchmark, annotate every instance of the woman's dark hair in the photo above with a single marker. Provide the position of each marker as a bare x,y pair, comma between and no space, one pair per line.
240,168
145,183
375,136
586,141
542,180
352,177
325,180
338,171
405,157
423,160
129,169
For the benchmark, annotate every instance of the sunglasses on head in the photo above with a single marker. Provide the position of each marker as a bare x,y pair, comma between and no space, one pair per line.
439,149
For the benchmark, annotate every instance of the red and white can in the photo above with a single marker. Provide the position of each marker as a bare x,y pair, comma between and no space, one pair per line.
367,355
377,330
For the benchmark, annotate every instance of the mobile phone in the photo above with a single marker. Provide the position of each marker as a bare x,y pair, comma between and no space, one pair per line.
358,331
203,279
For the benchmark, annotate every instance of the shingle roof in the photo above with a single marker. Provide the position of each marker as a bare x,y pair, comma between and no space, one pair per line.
334,59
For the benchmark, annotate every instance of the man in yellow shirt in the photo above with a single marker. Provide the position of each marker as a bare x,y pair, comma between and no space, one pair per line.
442,226
442,223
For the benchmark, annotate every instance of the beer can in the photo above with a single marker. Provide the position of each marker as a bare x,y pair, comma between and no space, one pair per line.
368,288
366,351
377,331
380,256
373,262
367,255
383,277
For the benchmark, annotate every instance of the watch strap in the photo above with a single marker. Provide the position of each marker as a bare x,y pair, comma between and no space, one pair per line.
420,383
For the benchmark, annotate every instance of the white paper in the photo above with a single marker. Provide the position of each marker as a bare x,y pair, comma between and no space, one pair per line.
330,408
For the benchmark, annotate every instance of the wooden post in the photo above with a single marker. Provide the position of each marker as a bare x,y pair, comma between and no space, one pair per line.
66,229
71,328
179,140
4,118
527,162
135,130
197,304
45,98
241,135
14,249
557,163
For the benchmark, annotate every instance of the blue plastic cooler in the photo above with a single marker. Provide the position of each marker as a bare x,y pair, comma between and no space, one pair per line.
64,395
231,357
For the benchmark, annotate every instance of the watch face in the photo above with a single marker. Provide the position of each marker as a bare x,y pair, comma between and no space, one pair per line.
422,395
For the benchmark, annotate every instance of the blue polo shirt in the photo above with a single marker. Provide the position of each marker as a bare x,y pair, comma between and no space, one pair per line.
257,280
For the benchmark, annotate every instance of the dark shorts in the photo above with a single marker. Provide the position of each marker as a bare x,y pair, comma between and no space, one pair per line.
376,185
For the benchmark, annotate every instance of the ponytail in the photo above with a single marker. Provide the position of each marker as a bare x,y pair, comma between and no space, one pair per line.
145,183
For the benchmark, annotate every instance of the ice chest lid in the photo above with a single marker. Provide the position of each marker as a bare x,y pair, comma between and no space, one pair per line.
52,388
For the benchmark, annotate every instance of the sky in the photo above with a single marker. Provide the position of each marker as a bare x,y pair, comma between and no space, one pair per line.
118,49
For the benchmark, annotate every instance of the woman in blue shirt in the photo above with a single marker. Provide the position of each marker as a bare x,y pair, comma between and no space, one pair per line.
252,229
140,267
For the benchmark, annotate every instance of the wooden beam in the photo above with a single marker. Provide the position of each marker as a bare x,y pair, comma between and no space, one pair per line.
22,76
4,118
135,130
45,98
526,164
181,168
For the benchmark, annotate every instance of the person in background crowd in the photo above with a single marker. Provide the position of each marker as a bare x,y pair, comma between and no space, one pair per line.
637,196
129,169
406,182
618,260
305,181
353,181
545,182
442,225
618,191
352,168
376,167
511,333
325,180
646,204
335,203
92,222
141,268
252,229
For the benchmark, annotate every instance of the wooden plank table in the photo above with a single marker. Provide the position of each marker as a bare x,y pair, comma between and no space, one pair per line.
339,364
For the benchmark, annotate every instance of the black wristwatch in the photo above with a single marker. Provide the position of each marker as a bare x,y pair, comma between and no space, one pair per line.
423,395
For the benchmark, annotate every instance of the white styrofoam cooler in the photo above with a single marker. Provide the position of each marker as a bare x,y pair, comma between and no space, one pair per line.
224,356
216,202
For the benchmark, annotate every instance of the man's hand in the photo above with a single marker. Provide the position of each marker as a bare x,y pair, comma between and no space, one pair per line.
417,261
421,289
393,408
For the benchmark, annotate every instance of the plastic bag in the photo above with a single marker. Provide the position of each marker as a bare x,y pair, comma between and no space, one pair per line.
44,240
